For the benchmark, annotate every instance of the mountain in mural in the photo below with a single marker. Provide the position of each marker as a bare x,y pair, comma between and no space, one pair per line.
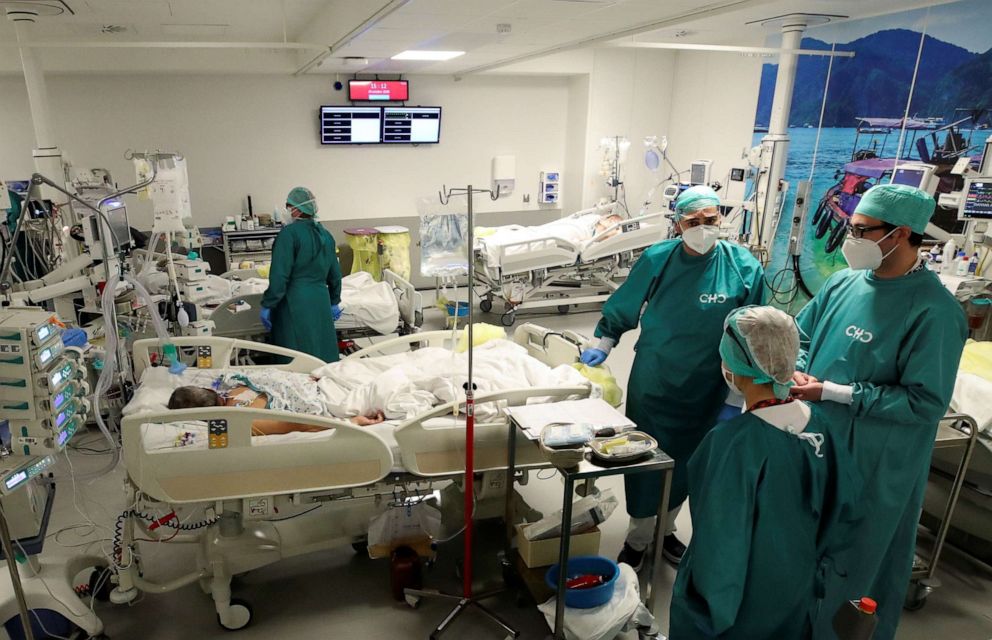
877,80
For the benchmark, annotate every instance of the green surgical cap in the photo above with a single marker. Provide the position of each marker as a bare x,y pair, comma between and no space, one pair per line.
761,343
695,198
302,198
898,204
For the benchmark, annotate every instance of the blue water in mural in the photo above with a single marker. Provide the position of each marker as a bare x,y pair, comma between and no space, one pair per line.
834,151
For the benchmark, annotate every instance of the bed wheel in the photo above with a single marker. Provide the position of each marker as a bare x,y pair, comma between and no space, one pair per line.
242,613
508,318
362,546
486,305
564,308
412,601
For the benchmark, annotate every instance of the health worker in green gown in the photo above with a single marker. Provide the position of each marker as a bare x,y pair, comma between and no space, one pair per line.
679,292
304,295
763,485
884,341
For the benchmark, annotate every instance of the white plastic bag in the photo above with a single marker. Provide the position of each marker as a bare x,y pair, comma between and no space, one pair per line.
623,612
587,513
412,524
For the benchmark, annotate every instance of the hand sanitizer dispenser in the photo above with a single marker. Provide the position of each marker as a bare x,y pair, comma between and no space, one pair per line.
504,174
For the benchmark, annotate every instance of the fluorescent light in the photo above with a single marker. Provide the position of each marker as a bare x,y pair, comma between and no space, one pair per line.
419,54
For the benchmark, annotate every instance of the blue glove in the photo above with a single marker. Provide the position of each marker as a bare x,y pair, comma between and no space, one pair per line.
266,316
593,357
336,311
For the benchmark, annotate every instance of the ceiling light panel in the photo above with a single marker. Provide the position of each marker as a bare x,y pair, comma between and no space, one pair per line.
427,55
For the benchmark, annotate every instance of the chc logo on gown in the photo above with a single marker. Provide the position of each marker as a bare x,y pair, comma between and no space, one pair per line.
713,298
859,334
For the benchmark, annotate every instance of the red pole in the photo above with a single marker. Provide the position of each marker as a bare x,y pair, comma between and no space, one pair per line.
469,488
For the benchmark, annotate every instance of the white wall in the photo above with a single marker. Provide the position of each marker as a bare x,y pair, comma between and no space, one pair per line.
257,134
713,106
629,95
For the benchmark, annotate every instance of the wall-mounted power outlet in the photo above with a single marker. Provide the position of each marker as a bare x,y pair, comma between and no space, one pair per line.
526,198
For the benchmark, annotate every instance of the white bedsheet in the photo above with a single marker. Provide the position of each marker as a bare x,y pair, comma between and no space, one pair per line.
577,230
973,396
405,385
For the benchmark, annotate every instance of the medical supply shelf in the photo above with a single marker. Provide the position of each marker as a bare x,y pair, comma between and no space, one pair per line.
233,257
587,472
956,430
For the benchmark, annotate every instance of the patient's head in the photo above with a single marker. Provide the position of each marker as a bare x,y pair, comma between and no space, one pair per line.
191,397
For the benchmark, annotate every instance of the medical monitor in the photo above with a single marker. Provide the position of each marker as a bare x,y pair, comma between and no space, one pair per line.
379,90
976,199
411,125
350,125
915,175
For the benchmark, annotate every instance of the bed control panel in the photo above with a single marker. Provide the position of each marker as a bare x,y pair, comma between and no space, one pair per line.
204,358
217,434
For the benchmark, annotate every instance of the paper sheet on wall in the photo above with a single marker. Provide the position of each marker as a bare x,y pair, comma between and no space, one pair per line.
532,418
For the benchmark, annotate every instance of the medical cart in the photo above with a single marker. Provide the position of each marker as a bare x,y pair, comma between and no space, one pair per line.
955,430
587,472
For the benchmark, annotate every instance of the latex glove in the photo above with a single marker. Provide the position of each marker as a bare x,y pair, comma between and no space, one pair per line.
336,311
266,316
593,357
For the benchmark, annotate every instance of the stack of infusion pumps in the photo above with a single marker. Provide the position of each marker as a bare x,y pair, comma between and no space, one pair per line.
42,392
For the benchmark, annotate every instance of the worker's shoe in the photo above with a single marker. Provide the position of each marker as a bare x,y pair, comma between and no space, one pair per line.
631,556
672,549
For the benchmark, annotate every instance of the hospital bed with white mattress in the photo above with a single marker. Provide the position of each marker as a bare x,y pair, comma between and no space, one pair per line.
561,263
343,473
368,309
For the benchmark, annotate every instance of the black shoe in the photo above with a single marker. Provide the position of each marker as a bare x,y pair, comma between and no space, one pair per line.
672,549
631,556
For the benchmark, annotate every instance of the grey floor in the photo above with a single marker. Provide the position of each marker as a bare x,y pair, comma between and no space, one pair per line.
341,594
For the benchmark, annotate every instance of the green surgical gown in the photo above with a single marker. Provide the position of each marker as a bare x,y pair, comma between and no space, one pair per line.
676,390
761,498
304,281
898,342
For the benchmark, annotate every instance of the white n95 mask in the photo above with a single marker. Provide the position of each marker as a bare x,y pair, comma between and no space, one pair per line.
862,253
728,377
702,238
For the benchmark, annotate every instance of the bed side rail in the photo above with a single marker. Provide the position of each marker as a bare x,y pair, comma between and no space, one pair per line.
411,302
222,353
553,348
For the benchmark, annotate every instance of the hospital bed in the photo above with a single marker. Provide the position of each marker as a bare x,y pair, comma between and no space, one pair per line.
325,486
237,316
549,268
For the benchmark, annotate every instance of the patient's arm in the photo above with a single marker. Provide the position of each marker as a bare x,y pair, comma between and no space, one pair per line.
279,427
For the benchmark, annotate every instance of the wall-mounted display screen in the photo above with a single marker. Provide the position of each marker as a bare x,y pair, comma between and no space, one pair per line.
386,90
350,125
414,125
376,125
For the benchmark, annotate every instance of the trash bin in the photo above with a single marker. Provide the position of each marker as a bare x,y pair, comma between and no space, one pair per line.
364,243
394,250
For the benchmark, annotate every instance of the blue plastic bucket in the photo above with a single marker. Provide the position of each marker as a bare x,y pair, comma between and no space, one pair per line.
581,565
462,309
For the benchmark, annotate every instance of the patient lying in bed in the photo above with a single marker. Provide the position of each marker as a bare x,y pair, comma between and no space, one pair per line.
245,396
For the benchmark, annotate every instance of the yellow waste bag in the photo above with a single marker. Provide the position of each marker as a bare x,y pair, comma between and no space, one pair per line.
977,359
481,334
601,375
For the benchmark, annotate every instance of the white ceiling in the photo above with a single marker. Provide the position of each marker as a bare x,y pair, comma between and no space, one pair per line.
537,27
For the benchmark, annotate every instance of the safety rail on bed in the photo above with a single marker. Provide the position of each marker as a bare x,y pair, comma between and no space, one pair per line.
439,450
222,352
550,347
351,456
636,233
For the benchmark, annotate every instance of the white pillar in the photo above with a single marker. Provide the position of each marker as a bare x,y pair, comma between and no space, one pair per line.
47,154
775,145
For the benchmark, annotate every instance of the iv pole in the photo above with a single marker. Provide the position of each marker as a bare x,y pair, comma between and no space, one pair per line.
467,599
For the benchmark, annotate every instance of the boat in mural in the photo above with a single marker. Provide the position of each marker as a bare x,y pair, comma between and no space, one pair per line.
926,142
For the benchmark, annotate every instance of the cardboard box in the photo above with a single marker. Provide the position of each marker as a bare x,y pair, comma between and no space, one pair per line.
543,553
